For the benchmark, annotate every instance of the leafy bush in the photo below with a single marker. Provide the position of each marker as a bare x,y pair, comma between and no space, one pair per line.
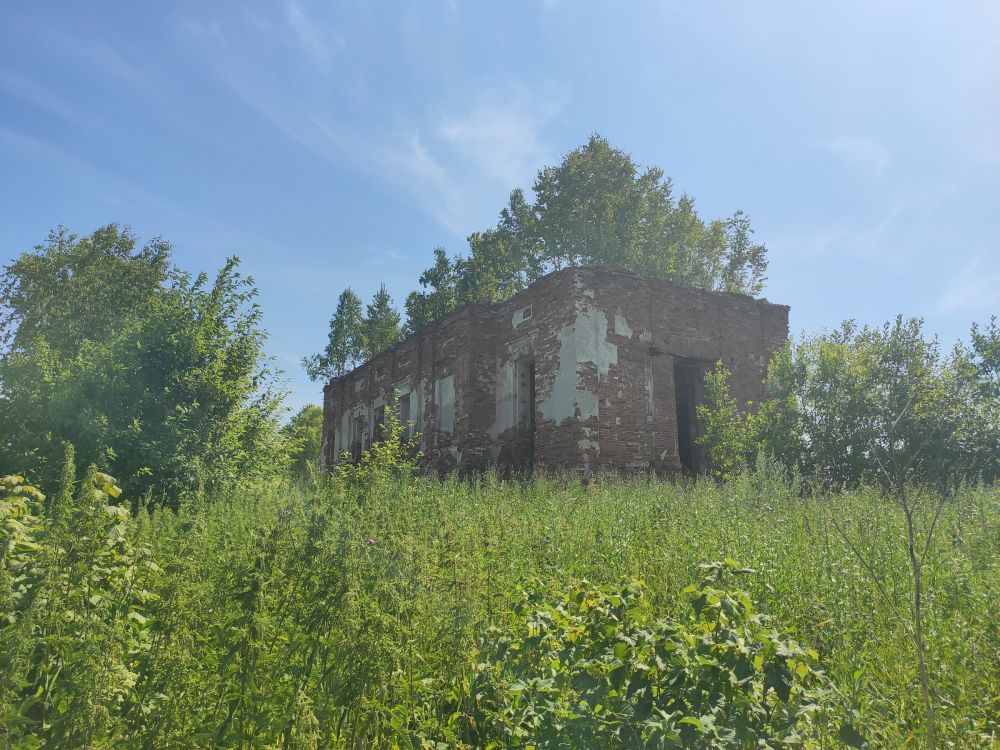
304,435
591,666
73,612
156,374
866,406
394,456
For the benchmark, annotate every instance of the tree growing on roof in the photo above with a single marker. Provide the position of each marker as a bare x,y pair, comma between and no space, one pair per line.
596,208
344,345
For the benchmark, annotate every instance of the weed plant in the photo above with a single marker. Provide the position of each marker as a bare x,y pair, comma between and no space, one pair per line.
352,614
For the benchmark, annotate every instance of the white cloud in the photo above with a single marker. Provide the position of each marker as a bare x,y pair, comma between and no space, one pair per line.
862,154
975,287
456,161
870,241
312,35
475,156
30,91
501,139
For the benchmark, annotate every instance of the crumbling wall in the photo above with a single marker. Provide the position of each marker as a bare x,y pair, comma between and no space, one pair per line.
600,348
654,325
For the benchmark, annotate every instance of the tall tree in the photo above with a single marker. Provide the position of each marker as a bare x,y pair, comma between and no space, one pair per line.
344,347
73,289
598,208
440,297
157,376
382,326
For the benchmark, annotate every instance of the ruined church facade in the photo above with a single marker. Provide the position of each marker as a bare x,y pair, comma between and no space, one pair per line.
587,369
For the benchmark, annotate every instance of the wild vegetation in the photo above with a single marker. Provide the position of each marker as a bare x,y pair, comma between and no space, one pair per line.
154,375
408,612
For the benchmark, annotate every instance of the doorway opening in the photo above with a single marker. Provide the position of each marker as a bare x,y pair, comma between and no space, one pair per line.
525,410
689,392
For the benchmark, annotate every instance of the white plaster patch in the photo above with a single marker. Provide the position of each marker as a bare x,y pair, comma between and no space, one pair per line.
584,341
588,444
578,283
421,390
646,337
622,327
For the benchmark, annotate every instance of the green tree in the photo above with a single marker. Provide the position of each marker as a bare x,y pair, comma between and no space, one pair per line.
441,297
381,327
304,433
73,289
152,373
846,407
504,260
978,383
598,208
344,347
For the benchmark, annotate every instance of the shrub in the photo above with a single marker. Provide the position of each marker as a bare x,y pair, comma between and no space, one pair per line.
590,666
392,457
146,370
73,604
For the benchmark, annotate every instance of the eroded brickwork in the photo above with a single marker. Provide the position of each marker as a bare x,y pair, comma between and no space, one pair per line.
588,367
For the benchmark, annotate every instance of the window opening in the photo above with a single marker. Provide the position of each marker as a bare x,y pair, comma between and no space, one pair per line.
357,430
404,416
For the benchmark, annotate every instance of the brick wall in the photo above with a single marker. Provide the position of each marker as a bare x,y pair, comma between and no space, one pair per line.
604,346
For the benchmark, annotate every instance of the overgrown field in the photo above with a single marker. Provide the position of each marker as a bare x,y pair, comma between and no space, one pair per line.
340,616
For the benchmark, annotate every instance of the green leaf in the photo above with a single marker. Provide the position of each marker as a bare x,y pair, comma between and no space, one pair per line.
851,737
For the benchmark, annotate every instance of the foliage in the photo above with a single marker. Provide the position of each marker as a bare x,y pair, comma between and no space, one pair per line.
373,614
441,281
355,338
381,327
866,406
74,289
304,437
144,369
394,457
977,385
19,536
879,407
75,632
595,208
344,348
728,432
591,666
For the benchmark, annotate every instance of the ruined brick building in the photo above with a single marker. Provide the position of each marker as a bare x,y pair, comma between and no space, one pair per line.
587,367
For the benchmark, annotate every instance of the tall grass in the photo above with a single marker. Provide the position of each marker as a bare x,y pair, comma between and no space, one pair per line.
309,616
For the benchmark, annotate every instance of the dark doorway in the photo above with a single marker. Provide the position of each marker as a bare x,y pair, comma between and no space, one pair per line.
526,411
689,389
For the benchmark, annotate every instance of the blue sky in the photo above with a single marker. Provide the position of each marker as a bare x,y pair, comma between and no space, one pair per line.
334,144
